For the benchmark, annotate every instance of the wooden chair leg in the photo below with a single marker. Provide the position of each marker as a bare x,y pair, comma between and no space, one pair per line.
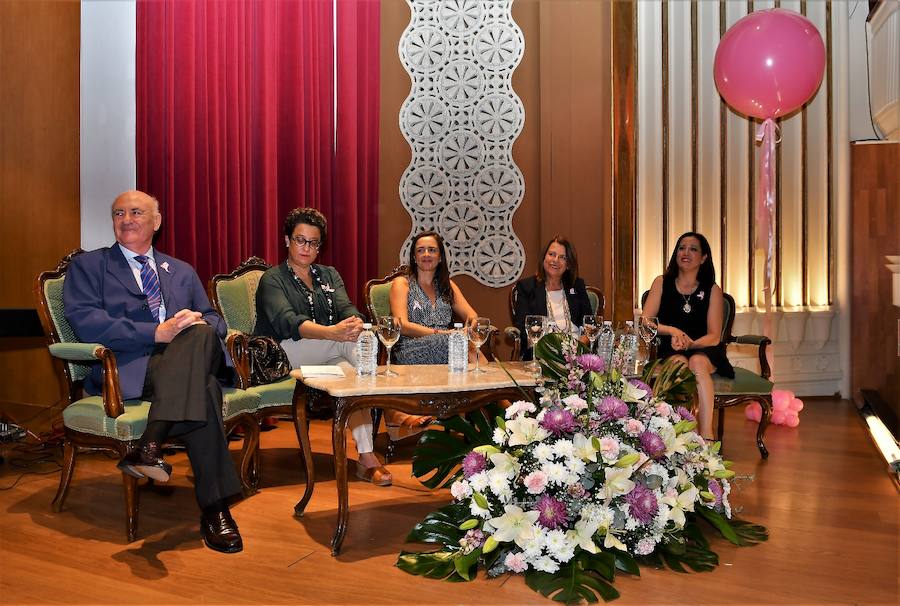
720,430
765,403
131,506
65,477
250,455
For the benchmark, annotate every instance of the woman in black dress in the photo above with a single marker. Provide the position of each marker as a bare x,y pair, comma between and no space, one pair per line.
688,303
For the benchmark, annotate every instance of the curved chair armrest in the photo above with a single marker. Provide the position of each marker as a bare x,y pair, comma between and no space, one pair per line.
236,343
76,352
762,342
91,352
512,333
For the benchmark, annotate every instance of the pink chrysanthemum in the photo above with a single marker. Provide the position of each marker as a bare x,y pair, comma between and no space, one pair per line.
611,408
553,512
473,463
558,421
685,414
716,489
652,444
642,504
591,362
641,385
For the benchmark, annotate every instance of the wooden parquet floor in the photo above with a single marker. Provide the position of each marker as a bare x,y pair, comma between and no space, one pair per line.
831,509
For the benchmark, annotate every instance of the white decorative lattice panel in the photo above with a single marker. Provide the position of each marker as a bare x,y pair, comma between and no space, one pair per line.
461,119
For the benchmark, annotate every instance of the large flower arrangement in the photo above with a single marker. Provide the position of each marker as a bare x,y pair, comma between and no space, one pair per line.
599,474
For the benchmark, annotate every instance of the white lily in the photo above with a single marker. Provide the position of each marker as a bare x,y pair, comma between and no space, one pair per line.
617,482
524,431
582,535
632,393
505,464
612,542
584,448
515,525
680,503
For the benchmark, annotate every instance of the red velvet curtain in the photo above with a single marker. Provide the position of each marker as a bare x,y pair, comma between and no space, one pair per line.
235,126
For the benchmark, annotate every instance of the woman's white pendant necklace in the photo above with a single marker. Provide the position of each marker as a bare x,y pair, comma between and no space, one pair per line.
687,304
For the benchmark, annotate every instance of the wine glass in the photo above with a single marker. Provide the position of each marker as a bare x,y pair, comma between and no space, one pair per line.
479,331
535,328
388,334
648,326
590,327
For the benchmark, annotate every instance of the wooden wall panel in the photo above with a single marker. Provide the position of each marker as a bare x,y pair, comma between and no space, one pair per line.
563,151
39,187
875,321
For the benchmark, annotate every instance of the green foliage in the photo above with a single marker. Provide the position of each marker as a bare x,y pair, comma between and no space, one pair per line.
748,533
440,453
672,381
583,578
434,565
549,352
441,526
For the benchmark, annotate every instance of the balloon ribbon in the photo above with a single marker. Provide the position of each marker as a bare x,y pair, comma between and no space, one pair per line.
765,211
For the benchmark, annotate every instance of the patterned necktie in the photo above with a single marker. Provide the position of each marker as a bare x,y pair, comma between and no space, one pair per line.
150,284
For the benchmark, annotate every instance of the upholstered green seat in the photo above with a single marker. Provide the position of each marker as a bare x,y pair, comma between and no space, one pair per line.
379,300
106,422
279,393
744,382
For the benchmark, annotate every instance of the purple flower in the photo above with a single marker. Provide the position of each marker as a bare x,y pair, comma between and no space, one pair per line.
474,537
641,385
685,414
553,512
716,489
611,408
642,504
558,421
652,444
473,463
591,362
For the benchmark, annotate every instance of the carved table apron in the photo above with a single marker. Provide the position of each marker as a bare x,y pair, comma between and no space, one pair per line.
419,389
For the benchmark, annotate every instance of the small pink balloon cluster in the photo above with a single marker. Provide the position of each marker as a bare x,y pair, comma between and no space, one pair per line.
785,409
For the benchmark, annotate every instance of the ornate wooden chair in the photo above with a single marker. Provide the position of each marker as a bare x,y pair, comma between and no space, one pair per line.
107,422
595,296
746,386
234,296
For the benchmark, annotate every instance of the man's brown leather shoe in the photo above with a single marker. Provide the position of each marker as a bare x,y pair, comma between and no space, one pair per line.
146,462
220,532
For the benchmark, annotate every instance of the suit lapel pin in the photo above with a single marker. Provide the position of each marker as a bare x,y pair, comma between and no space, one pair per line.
165,266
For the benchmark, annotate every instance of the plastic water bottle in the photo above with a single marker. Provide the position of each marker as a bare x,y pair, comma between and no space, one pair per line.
606,341
629,348
366,352
458,345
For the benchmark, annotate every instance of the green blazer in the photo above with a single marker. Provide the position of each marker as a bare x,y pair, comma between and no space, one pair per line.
281,307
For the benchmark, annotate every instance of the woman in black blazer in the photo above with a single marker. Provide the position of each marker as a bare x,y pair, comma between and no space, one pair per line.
557,281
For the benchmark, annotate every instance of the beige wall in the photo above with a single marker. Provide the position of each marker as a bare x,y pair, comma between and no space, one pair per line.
563,150
39,199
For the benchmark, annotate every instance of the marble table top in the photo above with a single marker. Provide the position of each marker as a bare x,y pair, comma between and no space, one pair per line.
420,378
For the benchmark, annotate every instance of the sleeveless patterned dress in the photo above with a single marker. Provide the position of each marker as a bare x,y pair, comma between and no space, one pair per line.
430,349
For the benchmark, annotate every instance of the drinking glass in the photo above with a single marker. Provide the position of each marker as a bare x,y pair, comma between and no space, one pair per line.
479,331
648,326
535,328
388,333
590,327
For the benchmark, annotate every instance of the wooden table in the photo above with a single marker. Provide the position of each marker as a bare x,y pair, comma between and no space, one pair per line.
419,389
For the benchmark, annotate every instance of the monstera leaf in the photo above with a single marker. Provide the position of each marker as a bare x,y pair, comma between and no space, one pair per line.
433,565
439,454
441,526
583,578
672,381
549,352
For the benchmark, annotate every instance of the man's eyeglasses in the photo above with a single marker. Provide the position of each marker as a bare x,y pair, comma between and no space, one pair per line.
302,242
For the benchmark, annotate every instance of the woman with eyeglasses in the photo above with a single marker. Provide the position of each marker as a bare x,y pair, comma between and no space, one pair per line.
688,303
555,291
305,307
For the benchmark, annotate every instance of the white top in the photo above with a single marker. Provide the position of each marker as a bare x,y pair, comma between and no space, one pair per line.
558,309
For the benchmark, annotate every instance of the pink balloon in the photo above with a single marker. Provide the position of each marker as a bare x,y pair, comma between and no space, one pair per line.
769,63
781,399
753,412
792,421
797,404
778,417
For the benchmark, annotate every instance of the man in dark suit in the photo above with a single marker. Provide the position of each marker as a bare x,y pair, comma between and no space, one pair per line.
153,312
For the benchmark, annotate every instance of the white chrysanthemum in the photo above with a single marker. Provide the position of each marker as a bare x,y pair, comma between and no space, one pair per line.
564,449
631,523
498,481
460,490
533,547
499,436
559,546
556,472
479,481
576,467
605,516
658,424
545,564
543,452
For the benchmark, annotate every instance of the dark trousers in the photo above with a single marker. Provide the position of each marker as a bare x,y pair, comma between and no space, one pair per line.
182,387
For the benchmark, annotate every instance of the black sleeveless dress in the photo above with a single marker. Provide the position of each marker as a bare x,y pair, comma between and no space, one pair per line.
693,323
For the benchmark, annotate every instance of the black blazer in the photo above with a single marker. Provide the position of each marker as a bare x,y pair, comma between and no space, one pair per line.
531,299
